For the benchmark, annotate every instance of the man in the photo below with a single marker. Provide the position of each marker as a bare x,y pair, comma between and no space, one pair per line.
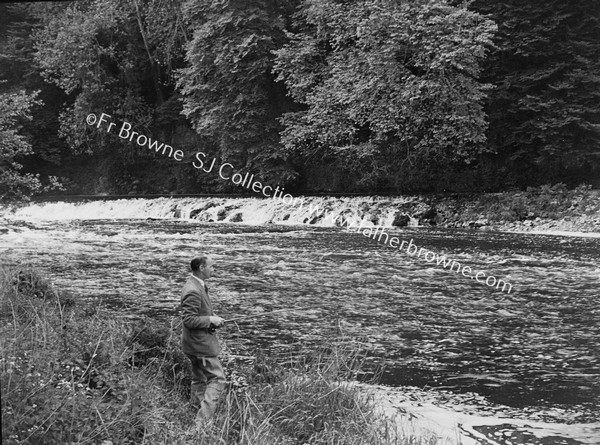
199,340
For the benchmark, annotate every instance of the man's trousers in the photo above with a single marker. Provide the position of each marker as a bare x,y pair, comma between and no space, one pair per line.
208,383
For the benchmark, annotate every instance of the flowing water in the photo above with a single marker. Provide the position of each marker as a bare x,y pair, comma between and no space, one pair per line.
531,355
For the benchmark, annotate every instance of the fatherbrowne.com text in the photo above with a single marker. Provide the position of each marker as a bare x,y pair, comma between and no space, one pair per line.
379,234
228,172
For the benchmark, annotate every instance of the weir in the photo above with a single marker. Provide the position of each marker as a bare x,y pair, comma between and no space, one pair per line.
317,211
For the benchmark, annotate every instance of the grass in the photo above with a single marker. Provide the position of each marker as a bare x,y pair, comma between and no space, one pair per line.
78,374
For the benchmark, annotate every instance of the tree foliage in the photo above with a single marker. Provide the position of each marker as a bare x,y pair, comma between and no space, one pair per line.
544,113
14,108
19,73
385,82
230,96
365,95
84,48
113,57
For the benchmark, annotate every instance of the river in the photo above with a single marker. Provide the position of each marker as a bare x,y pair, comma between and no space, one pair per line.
528,361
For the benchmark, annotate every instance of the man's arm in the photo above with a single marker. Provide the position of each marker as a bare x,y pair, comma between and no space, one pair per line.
191,320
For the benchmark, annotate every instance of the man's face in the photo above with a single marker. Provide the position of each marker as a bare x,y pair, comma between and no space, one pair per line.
206,271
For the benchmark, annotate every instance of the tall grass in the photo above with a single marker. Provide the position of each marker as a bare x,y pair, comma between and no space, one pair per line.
73,373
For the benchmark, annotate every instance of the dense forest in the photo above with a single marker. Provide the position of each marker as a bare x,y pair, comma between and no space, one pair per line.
368,96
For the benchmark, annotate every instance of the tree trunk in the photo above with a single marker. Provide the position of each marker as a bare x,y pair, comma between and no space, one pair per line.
153,67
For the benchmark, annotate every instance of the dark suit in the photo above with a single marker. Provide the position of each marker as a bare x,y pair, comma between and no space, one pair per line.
201,347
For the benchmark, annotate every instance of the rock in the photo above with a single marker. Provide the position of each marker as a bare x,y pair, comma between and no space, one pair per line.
237,217
429,216
222,214
195,213
400,220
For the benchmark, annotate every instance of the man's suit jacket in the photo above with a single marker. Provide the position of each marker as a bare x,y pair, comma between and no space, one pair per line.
196,310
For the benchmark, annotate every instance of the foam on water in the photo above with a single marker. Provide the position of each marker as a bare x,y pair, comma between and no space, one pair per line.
303,210
369,211
457,420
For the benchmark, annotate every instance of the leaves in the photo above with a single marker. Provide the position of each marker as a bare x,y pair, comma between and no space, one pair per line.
378,95
230,97
544,118
14,109
386,80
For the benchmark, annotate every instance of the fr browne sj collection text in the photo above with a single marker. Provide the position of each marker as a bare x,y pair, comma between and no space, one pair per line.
199,160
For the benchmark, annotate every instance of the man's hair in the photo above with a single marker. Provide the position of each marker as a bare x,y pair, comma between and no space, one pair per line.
197,262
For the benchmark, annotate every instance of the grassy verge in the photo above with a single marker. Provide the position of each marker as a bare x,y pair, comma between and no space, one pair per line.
78,374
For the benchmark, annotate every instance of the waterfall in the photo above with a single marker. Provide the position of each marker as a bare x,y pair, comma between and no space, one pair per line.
318,211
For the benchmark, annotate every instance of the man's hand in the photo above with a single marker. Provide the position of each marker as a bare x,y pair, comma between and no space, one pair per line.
215,321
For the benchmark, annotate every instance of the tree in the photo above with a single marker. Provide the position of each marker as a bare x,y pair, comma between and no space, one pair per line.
86,49
14,108
113,57
117,58
544,114
230,94
385,83
18,72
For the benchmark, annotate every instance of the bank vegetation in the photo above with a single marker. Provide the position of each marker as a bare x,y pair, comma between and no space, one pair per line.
75,373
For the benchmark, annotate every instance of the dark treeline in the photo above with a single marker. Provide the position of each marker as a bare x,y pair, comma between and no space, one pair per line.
314,95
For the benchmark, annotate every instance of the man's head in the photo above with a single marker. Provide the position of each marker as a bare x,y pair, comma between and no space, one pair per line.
202,267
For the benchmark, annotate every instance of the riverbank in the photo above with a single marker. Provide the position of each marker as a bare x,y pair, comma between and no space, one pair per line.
541,209
75,373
